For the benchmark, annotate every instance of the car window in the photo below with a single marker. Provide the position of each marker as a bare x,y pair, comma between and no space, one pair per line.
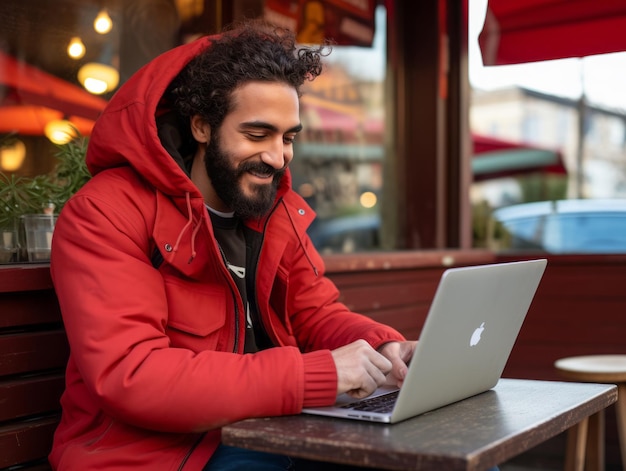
592,231
584,232
524,233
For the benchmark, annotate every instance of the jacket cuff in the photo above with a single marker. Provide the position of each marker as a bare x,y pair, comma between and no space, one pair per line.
320,379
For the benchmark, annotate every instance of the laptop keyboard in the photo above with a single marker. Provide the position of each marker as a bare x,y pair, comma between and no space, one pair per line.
383,404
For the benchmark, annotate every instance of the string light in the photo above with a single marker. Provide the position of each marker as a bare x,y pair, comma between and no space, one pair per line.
103,23
98,78
12,156
368,199
76,48
60,131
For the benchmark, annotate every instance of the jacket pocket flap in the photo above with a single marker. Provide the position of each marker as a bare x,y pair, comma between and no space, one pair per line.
195,309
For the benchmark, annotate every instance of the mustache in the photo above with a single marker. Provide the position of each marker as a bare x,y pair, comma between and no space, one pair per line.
261,168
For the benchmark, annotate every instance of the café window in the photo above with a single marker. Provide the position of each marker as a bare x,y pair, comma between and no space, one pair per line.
339,157
60,63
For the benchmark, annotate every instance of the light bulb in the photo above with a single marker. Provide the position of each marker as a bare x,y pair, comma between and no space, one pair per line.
98,78
368,199
60,131
12,156
76,48
103,23
95,86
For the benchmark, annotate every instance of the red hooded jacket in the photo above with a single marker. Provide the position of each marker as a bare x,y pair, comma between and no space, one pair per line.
156,364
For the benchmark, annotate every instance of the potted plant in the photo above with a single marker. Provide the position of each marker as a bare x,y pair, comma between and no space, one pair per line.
70,173
21,197
11,208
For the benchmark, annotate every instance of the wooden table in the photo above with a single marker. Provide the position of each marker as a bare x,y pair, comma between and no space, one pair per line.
474,434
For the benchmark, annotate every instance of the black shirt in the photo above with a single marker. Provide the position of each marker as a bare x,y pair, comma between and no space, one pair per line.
231,238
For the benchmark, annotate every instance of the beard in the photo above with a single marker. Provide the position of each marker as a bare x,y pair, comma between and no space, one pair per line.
226,181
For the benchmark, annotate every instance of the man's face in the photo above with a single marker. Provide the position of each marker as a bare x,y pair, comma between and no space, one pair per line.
247,156
227,180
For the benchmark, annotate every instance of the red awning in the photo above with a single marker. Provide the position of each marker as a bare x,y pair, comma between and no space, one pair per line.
23,84
496,158
30,120
326,119
519,31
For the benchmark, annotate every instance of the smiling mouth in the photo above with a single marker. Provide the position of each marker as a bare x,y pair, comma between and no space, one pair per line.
261,173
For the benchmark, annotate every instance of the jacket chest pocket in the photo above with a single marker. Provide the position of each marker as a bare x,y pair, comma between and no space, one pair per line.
196,314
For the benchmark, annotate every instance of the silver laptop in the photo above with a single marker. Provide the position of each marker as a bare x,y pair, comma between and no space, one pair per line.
466,340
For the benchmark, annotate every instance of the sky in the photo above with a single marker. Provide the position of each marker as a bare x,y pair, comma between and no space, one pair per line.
602,76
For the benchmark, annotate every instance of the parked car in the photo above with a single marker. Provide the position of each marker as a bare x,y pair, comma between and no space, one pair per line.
565,226
346,234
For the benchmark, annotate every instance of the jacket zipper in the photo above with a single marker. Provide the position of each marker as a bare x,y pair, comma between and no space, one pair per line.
270,332
190,451
256,301
235,349
234,296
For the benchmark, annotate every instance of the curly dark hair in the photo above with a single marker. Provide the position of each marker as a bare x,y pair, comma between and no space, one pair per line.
251,51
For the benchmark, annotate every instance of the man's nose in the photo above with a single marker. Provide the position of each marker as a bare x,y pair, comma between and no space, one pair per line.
275,155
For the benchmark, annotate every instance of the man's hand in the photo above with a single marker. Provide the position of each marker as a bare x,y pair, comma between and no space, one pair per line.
399,354
360,369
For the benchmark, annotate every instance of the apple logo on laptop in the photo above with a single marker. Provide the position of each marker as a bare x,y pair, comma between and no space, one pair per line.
476,335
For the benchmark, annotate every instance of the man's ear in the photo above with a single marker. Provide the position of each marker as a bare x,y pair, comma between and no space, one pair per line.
200,129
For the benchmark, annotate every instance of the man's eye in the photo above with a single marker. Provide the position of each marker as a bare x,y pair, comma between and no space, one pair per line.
256,136
289,139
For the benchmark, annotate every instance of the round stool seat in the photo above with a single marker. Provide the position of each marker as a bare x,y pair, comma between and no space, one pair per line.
594,368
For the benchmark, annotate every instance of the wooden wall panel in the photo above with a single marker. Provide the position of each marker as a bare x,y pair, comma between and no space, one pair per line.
33,355
26,352
579,309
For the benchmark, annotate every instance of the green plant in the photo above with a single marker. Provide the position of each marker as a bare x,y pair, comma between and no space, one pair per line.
70,173
31,195
46,193
18,195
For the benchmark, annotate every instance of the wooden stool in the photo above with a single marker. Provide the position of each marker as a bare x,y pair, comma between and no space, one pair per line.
585,441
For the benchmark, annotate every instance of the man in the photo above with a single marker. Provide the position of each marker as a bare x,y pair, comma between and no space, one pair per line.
191,294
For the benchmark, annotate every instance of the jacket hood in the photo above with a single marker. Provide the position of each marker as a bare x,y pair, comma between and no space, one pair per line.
126,132
130,129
